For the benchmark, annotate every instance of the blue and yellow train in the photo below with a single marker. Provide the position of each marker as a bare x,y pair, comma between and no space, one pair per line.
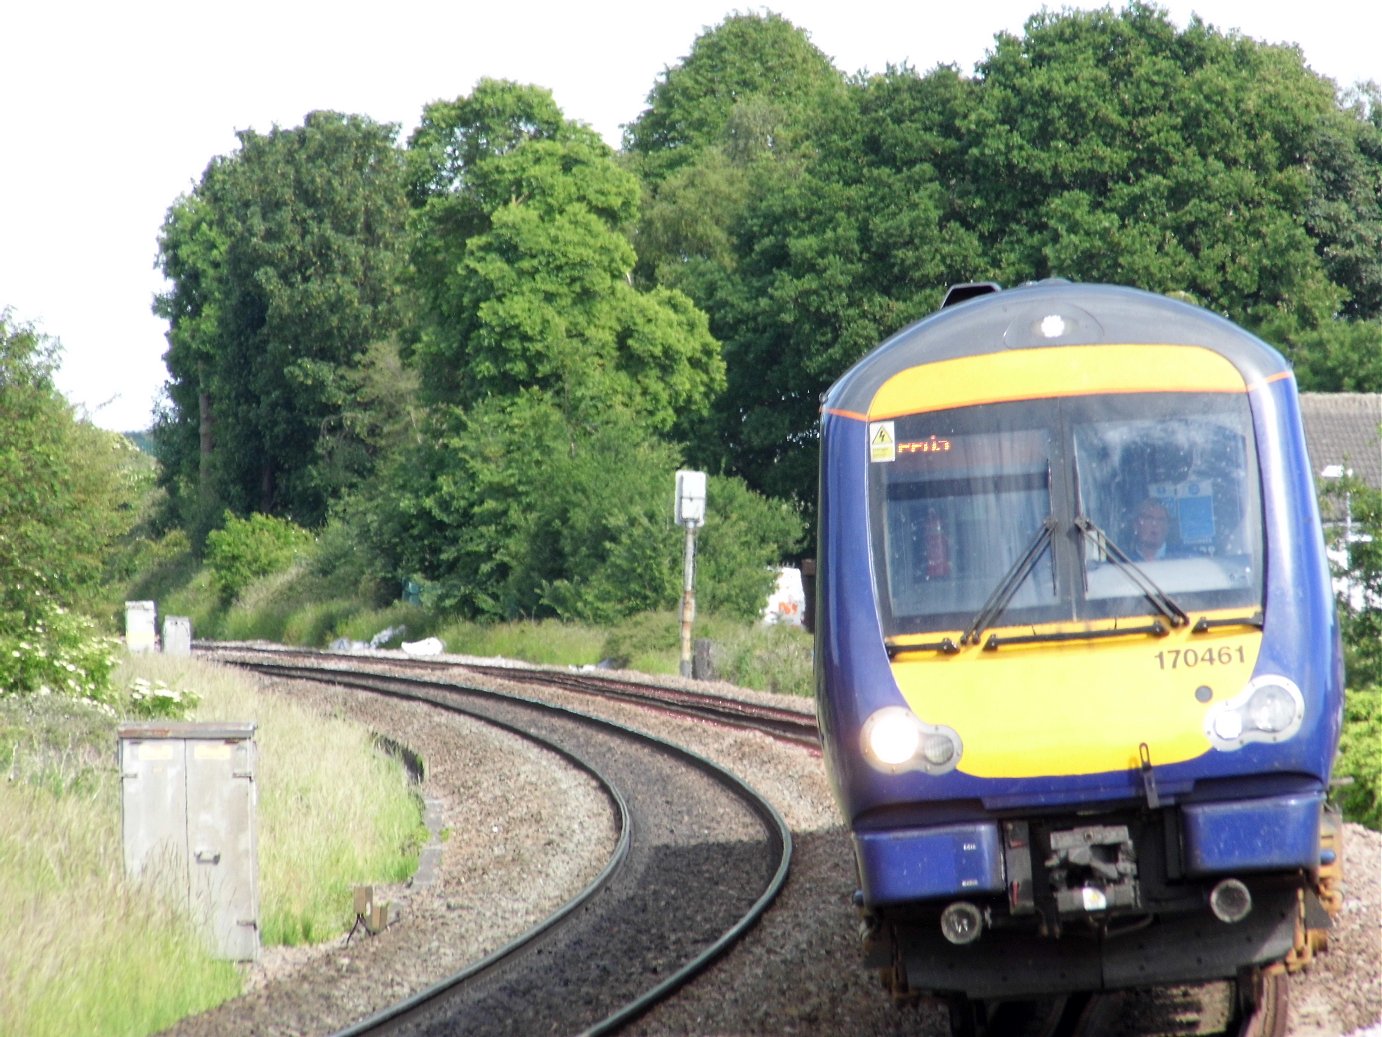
1078,668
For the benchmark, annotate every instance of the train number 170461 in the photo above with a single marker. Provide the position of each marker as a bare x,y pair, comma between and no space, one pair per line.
1189,658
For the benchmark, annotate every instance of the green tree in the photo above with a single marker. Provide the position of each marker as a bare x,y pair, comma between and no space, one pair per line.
1344,210
1098,146
747,87
1360,614
63,504
514,508
380,409
1115,148
286,263
448,186
191,256
832,253
62,499
538,481
749,93
527,275
1360,620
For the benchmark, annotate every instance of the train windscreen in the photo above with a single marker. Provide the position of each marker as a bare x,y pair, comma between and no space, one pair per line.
1064,509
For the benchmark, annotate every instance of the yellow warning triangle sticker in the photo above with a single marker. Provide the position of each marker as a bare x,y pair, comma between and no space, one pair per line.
882,442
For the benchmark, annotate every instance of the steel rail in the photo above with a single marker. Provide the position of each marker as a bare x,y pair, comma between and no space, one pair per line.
399,1011
785,724
426,689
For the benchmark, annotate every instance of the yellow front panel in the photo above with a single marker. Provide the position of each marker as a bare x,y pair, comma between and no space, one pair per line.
1027,374
1080,707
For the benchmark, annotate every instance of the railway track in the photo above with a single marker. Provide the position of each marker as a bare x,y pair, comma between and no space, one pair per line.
784,724
787,725
699,858
1205,1010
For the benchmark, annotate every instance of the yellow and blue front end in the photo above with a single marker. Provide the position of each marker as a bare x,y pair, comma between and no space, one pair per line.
1077,661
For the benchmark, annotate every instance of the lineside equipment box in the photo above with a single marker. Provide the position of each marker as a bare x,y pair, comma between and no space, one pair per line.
188,801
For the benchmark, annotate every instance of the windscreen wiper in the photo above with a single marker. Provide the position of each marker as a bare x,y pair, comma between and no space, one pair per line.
894,647
1204,623
1163,602
1011,581
1156,628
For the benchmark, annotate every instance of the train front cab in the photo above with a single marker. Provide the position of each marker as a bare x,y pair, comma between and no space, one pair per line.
1072,759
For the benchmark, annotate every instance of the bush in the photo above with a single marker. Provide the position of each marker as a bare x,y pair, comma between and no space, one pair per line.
65,500
745,537
634,643
345,564
150,700
243,550
578,528
767,658
1360,758
54,651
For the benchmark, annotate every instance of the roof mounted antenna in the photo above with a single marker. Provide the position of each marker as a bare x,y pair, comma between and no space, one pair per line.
958,293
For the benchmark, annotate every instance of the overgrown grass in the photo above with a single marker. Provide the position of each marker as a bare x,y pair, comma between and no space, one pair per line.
333,812
86,951
304,605
545,642
751,655
90,953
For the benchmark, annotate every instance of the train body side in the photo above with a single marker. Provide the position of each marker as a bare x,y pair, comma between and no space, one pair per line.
1093,731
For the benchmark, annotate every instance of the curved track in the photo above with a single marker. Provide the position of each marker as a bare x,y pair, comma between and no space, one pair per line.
700,858
785,724
788,725
1206,1009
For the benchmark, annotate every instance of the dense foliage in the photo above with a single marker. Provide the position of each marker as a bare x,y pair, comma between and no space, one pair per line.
1356,527
1098,146
285,264
244,550
500,416
64,504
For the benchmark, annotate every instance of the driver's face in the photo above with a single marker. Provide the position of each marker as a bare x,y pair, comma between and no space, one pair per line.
1151,525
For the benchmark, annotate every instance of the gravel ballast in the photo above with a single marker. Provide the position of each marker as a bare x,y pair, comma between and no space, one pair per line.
525,832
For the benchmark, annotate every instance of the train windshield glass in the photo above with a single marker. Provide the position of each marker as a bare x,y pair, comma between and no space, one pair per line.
1175,489
957,499
1166,482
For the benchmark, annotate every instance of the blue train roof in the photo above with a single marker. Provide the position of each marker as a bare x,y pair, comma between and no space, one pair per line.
1052,313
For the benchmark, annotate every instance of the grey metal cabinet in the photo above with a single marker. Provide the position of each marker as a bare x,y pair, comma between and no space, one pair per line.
189,824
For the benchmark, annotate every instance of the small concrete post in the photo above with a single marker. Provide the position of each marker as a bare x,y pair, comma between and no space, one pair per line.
177,635
139,626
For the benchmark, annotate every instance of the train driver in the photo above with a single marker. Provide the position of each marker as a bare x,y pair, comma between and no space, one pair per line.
1151,524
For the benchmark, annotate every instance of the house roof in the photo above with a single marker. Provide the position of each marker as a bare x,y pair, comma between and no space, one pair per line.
1344,429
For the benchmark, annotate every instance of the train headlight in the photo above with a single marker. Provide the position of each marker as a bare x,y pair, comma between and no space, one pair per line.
938,749
1269,709
1272,709
895,740
892,736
